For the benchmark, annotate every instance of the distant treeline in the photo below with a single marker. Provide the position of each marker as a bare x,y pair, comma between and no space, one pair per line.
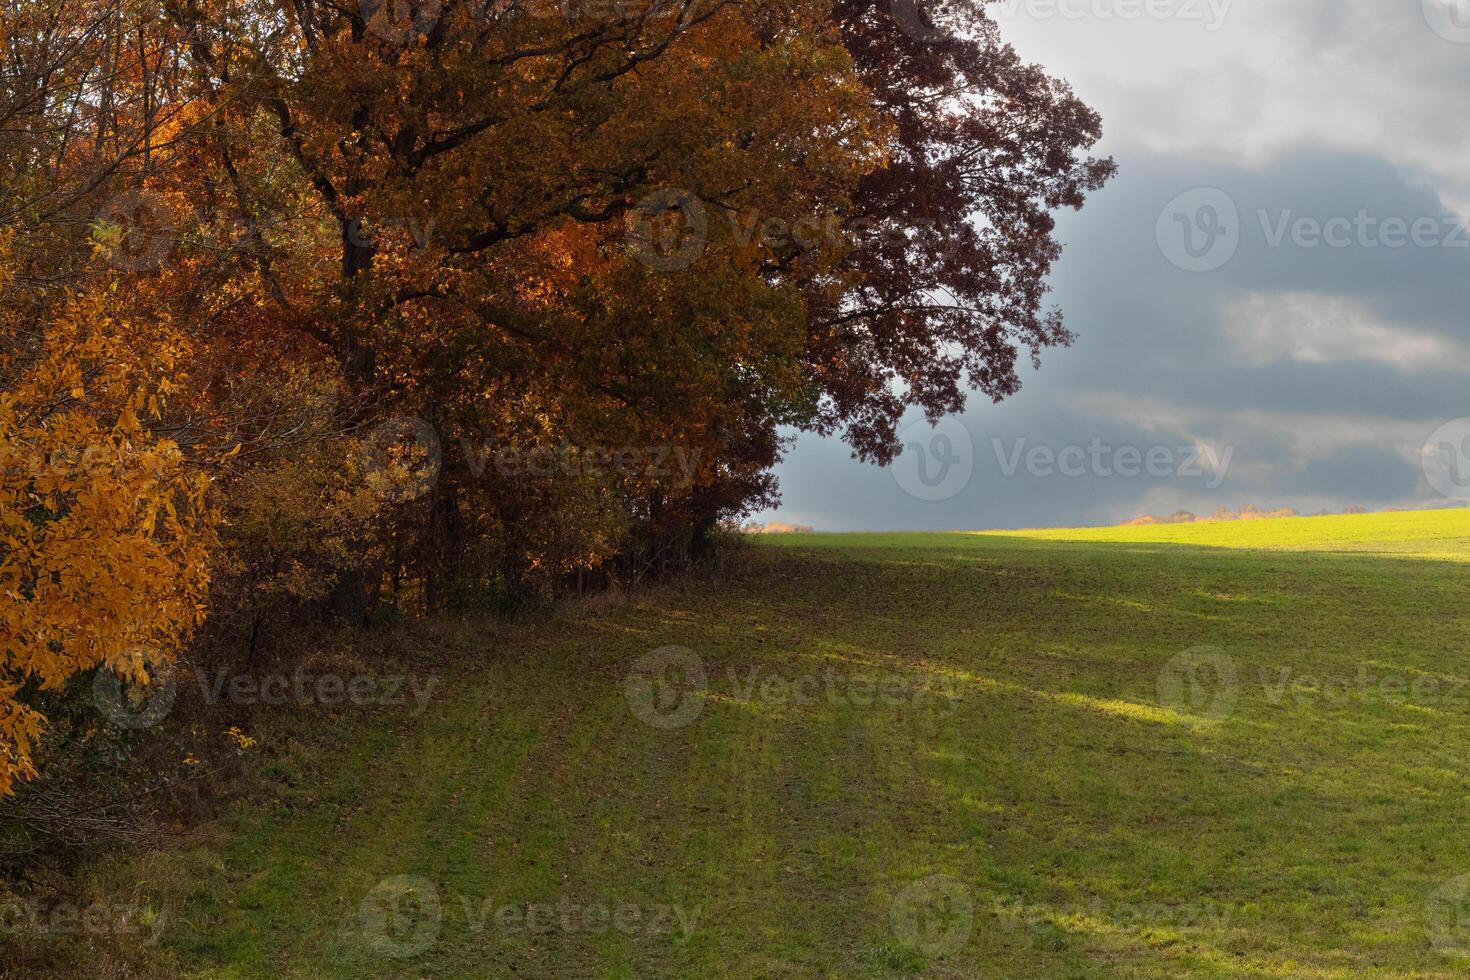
1250,512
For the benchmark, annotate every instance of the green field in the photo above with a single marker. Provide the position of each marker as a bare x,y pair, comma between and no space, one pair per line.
1223,750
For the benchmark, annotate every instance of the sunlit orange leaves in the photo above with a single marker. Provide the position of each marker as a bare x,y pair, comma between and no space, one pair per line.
103,529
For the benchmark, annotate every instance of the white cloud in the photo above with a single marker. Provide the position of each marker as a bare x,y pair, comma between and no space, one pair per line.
1320,329
1355,76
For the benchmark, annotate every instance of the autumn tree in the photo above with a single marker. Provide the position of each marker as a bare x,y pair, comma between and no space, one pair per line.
468,297
955,234
103,525
103,529
461,178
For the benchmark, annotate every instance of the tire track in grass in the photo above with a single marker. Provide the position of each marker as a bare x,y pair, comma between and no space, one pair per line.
296,881
556,838
461,765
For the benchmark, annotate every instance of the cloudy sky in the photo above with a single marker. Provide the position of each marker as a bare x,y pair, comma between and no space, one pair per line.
1272,298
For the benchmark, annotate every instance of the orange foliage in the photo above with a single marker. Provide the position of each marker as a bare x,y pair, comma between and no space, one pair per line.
103,529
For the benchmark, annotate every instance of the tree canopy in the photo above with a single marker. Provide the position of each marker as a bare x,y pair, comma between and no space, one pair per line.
329,306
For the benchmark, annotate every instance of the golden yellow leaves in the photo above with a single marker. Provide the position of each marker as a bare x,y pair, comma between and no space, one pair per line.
103,529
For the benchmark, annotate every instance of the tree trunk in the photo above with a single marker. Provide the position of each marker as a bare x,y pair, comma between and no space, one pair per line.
348,602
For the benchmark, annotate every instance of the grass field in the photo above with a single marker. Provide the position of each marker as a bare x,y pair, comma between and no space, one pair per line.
1216,750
